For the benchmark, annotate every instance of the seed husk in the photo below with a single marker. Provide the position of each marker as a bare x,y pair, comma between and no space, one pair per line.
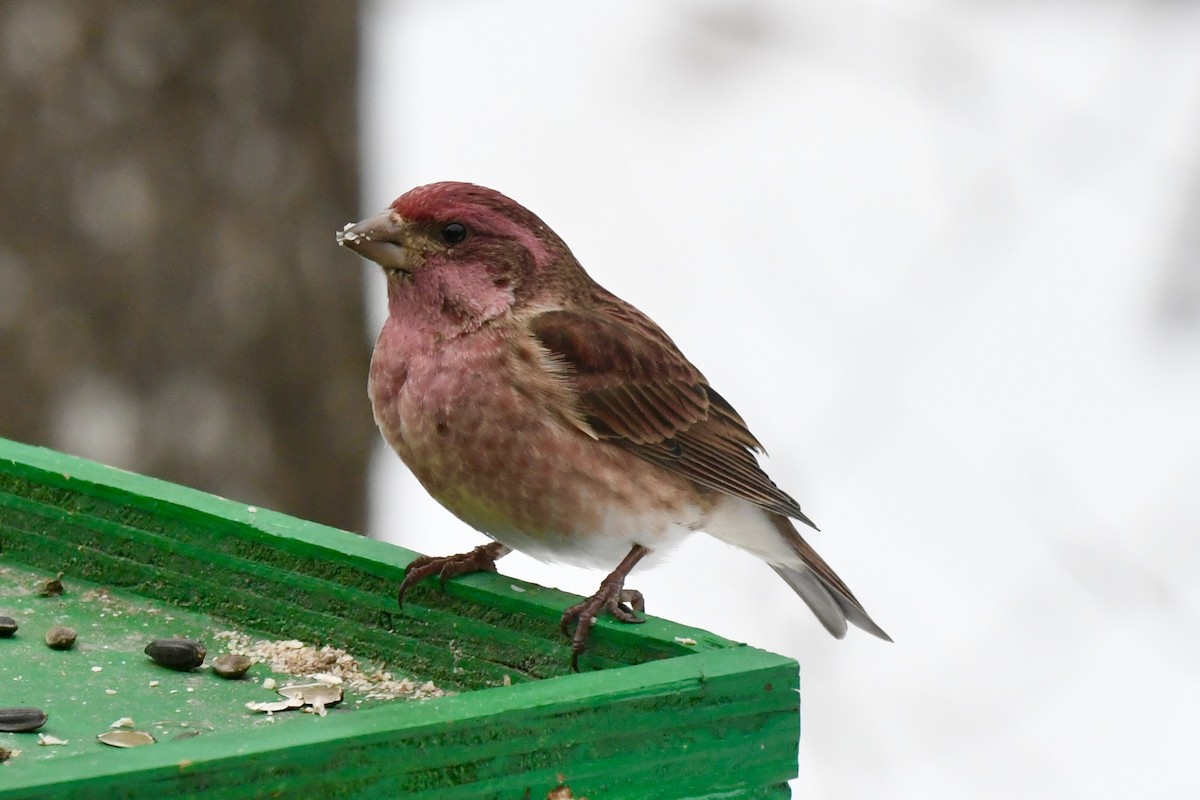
231,665
8,626
21,719
271,706
313,694
52,587
60,637
120,738
176,653
315,697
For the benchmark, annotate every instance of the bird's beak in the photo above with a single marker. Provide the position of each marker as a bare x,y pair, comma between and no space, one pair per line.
379,238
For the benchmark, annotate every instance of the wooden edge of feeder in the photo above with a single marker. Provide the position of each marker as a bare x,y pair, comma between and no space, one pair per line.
717,713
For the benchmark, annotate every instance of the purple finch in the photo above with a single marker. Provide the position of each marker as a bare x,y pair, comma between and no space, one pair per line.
556,418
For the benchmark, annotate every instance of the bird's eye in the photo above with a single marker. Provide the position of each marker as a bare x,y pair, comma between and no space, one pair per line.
454,233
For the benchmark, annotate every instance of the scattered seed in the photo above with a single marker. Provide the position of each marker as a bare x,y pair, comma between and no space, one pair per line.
45,740
177,654
51,588
126,738
60,637
231,665
6,754
21,719
8,626
123,722
307,660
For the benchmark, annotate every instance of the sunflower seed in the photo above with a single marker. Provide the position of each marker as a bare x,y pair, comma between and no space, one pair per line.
21,719
177,654
231,665
60,637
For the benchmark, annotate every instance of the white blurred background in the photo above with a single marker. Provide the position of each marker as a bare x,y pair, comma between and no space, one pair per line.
944,257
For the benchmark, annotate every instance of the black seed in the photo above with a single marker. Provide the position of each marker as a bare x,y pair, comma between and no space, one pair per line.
8,626
20,720
177,654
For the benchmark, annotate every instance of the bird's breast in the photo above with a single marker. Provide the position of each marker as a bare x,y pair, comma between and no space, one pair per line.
483,428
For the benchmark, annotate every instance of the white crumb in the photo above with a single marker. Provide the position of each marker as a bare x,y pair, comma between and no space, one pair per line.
325,664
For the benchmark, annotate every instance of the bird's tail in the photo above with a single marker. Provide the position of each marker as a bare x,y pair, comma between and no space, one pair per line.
820,587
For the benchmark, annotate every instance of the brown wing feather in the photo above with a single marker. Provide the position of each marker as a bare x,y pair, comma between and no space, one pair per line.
638,391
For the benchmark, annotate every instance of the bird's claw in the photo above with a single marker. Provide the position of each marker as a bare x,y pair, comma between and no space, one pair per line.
623,612
611,597
481,559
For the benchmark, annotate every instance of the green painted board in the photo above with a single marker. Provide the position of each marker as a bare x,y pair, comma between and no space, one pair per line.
659,711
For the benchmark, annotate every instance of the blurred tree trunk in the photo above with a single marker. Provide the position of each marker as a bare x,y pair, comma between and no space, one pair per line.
171,299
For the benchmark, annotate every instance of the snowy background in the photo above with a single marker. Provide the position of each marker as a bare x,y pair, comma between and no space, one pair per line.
944,257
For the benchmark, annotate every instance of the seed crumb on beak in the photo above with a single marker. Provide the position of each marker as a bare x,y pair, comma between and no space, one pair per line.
347,236
381,239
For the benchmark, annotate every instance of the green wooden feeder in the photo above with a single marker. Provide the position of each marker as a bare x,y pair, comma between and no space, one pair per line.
659,711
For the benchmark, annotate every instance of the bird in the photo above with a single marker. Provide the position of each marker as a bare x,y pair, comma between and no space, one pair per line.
556,418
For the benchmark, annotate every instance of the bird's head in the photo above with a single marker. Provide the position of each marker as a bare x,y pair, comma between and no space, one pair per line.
469,250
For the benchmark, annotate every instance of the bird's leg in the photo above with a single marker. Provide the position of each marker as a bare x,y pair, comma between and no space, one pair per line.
481,559
611,595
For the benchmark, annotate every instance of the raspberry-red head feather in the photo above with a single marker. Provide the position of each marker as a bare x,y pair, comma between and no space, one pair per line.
436,200
484,212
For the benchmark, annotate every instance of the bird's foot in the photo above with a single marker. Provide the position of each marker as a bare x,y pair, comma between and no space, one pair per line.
481,559
612,596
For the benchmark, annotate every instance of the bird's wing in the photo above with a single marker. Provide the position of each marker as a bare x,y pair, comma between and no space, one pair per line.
636,390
